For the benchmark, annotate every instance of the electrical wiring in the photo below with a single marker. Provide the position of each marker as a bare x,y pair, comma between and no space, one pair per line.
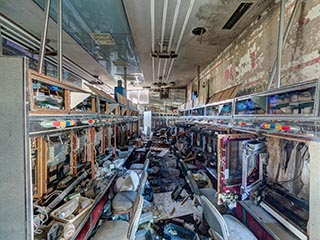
302,163
48,197
39,219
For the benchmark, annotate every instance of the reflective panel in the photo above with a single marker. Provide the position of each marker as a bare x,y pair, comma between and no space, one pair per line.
139,96
101,28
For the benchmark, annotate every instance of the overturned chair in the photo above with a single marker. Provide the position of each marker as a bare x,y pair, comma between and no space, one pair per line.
224,227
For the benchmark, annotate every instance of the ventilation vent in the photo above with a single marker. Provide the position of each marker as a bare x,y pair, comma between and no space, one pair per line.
241,10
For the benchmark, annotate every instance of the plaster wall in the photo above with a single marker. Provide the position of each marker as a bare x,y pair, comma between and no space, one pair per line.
248,60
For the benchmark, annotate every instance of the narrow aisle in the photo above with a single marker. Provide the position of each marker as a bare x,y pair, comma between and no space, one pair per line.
175,213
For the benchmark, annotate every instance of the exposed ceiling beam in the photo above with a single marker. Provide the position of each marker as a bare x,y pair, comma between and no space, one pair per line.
163,27
181,35
173,27
152,37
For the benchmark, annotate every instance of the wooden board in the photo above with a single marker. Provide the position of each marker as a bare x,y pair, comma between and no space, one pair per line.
74,160
225,94
92,151
41,168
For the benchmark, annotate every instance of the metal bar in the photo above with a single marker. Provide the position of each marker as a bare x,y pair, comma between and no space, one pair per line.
1,49
115,140
280,40
198,76
282,220
163,27
59,40
174,23
15,33
44,36
244,215
153,69
55,130
185,24
152,37
181,34
19,31
286,34
314,220
159,66
125,80
92,152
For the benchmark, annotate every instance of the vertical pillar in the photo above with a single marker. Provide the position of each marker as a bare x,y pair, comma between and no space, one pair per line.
44,36
1,48
286,34
280,40
74,156
125,81
314,203
59,40
103,140
92,152
115,140
198,77
109,136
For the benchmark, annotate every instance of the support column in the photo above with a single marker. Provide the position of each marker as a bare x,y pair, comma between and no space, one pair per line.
44,36
92,152
314,203
286,34
280,40
115,140
59,41
1,48
125,81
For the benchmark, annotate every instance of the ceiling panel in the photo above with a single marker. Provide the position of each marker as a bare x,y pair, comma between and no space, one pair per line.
126,25
102,29
30,16
210,14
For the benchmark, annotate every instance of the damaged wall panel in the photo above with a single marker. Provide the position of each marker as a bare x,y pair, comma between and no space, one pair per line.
288,166
249,59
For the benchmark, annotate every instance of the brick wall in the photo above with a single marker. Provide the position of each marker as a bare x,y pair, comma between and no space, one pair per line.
249,58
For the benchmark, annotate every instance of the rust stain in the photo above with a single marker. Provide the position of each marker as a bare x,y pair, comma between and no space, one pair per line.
227,67
253,59
303,65
211,69
227,74
288,8
302,21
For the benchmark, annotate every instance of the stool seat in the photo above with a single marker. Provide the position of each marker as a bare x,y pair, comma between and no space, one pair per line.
123,201
225,226
237,230
113,230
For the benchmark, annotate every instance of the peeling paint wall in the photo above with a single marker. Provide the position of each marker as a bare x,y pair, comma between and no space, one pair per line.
248,60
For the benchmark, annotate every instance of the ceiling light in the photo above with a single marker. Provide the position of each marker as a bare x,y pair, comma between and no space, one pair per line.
102,39
157,54
120,63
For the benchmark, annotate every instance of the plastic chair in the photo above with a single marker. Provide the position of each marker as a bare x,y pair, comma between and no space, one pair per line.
225,227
